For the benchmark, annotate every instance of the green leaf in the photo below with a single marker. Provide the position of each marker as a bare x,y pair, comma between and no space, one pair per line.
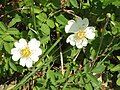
1,44
2,32
16,19
53,88
113,2
28,2
113,18
116,46
61,19
74,3
92,53
8,47
42,17
1,56
92,78
99,68
1,71
2,26
45,39
6,64
106,2
86,68
72,88
115,28
37,10
45,29
118,57
43,2
88,86
116,68
67,73
50,75
50,23
36,88
13,31
8,38
118,81
116,3
12,65
20,69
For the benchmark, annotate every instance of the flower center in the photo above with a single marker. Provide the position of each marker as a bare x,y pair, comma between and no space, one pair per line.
25,52
80,34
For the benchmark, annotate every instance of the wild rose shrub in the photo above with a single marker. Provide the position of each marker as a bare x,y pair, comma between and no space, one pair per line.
59,44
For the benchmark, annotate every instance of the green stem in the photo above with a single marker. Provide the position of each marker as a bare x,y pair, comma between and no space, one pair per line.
34,19
78,52
106,56
102,36
50,49
61,59
101,40
33,15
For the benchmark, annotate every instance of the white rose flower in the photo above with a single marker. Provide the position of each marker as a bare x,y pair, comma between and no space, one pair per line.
28,53
81,32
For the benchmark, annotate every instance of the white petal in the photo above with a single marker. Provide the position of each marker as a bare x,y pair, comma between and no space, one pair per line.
39,51
90,32
70,22
16,57
34,58
91,36
71,39
22,43
85,23
29,63
90,29
67,27
79,44
84,42
15,50
36,51
79,21
16,44
23,61
16,54
82,23
33,43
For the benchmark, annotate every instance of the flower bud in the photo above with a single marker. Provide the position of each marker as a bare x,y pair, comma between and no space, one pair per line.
108,15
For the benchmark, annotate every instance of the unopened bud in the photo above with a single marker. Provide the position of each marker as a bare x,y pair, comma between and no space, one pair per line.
108,15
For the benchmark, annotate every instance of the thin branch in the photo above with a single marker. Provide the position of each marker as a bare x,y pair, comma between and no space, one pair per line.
70,12
33,15
17,9
53,13
101,39
108,46
106,56
61,59
78,52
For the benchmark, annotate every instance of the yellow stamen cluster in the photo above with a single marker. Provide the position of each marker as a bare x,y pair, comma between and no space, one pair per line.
25,52
79,35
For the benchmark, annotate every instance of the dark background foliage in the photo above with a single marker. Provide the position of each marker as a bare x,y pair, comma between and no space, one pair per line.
46,20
